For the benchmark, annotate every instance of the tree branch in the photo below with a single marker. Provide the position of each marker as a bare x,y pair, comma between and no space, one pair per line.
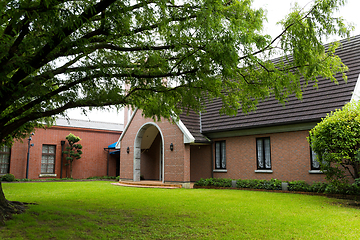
65,87
279,36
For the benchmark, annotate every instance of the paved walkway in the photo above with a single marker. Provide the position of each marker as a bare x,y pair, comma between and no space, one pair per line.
152,184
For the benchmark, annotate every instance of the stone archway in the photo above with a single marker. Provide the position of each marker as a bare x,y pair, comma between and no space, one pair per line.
137,150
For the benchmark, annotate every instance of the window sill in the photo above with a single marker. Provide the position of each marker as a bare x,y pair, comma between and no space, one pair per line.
47,175
220,170
263,171
316,172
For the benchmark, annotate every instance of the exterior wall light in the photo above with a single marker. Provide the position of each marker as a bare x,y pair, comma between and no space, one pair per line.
28,155
171,146
128,150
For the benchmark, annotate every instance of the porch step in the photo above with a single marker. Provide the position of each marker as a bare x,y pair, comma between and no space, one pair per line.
149,184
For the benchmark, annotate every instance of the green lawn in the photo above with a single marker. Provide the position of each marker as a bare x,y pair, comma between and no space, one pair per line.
99,210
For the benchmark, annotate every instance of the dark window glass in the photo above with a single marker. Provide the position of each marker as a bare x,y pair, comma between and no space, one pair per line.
263,153
315,165
4,159
220,155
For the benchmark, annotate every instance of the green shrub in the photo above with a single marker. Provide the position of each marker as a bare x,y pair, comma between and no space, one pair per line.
349,189
24,180
300,186
336,141
214,182
243,183
318,187
103,177
8,178
118,178
275,184
357,181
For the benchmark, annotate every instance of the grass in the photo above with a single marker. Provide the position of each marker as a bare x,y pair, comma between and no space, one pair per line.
99,210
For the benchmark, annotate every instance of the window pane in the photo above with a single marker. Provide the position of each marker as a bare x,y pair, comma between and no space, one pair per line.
50,169
314,162
45,149
223,155
217,155
260,156
4,149
48,159
44,159
267,153
51,159
4,159
51,149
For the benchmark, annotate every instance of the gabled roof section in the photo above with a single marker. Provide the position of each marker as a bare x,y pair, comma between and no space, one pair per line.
118,143
316,103
192,121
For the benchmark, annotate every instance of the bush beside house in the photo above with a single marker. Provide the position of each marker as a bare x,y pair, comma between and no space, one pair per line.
275,184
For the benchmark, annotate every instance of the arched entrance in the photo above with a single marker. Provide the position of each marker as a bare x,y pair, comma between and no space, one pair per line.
149,153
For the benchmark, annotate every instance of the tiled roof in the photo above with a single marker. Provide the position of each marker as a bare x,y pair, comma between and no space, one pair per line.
316,103
88,124
192,123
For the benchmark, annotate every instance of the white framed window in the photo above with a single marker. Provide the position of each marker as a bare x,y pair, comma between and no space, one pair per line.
48,159
4,160
220,155
263,153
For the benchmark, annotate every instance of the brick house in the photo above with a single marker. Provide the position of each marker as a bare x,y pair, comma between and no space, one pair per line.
268,143
45,156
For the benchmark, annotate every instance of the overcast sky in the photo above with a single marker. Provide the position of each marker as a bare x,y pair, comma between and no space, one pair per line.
276,11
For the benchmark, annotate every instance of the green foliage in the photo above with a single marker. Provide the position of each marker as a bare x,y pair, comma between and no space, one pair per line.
73,150
336,140
56,55
95,210
103,177
343,188
318,187
272,184
299,185
159,56
214,182
43,179
275,184
8,178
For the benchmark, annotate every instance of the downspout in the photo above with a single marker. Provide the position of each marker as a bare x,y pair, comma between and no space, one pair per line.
212,161
107,167
62,157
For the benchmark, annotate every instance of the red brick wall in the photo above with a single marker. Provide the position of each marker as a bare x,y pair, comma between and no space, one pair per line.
93,161
290,157
200,162
174,160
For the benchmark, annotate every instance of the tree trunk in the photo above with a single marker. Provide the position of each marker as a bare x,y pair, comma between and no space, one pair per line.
70,169
356,170
8,208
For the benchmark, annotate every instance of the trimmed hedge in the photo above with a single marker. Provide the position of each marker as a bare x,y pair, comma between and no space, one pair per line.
214,182
275,184
8,178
